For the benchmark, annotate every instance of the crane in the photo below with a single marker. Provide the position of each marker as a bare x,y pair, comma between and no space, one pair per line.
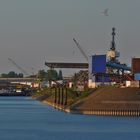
80,48
20,68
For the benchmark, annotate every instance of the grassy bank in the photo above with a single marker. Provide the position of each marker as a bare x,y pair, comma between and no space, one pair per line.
103,100
73,96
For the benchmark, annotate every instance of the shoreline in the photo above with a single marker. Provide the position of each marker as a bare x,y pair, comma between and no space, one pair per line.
111,112
102,102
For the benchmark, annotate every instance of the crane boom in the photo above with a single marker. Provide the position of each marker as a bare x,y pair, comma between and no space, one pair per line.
80,48
21,69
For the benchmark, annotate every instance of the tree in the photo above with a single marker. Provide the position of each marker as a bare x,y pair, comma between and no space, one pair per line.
20,75
52,75
12,74
60,75
49,75
42,75
4,75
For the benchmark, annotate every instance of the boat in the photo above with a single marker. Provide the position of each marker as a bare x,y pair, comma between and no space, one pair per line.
12,92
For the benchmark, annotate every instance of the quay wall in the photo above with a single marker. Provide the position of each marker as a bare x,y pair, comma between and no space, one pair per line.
106,101
99,112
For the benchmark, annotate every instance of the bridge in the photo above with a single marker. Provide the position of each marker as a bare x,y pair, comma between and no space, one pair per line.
18,79
32,82
67,65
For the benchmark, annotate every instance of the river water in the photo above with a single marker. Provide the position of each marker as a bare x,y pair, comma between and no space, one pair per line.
22,118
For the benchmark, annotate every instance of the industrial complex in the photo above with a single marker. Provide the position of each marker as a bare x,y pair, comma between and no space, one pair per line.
100,70
104,69
103,85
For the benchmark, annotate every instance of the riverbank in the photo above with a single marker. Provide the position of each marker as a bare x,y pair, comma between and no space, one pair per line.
103,101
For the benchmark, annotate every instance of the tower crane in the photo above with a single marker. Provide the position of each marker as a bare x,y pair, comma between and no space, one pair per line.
80,48
20,68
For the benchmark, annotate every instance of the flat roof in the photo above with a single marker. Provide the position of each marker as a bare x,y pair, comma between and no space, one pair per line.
67,65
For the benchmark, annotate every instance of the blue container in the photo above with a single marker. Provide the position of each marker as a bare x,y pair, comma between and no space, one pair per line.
137,76
98,64
102,79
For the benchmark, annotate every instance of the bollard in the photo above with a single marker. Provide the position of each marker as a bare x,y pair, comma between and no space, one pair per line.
55,95
62,90
66,92
59,95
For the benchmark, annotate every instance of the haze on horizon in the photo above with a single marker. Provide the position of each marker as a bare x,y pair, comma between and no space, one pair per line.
35,31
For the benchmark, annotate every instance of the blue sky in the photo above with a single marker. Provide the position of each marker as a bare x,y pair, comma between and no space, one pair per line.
35,31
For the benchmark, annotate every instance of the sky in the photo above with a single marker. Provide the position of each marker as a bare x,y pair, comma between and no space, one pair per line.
35,31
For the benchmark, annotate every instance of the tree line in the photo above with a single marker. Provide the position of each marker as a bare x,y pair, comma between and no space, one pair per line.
42,75
49,75
11,74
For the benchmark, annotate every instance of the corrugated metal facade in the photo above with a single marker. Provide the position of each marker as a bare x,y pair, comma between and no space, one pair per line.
135,65
98,63
137,76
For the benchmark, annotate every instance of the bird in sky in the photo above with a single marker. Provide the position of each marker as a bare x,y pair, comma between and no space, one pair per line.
105,12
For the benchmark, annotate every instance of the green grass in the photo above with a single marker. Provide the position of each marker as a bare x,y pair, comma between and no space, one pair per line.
72,96
41,92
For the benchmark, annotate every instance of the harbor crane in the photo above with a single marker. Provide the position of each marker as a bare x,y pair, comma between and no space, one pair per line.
84,74
80,48
20,68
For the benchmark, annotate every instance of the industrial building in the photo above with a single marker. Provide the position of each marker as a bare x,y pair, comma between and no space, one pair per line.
106,69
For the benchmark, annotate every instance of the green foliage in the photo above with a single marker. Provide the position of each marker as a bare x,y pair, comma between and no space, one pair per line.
60,75
4,75
42,75
12,74
52,75
20,75
75,96
49,75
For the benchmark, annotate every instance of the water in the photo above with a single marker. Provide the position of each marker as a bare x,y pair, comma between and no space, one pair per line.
22,118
